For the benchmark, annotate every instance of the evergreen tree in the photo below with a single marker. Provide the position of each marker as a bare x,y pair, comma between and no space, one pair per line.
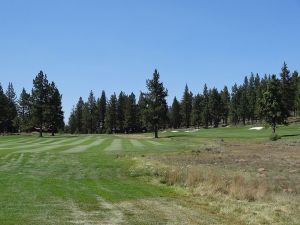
4,105
206,112
214,106
39,100
156,100
24,111
93,117
55,114
271,104
175,114
251,99
235,104
225,105
287,91
102,111
79,116
121,105
12,109
186,106
131,114
86,118
244,101
296,91
111,116
197,110
143,109
72,124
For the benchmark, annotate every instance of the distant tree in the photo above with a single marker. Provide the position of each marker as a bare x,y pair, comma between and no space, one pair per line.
271,104
156,101
235,104
296,90
206,112
215,106
186,106
287,92
197,111
86,118
40,93
54,112
111,115
225,105
244,101
121,107
93,117
131,114
72,126
252,99
143,112
102,111
4,103
175,114
78,114
24,111
12,109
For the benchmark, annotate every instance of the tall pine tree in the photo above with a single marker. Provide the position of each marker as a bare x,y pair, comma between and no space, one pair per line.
156,100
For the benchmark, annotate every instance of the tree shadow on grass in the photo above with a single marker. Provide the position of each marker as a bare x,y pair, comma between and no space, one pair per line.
290,135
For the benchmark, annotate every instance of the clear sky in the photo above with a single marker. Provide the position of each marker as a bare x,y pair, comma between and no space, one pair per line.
115,45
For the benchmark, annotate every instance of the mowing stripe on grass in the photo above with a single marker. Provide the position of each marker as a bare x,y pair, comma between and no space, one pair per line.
137,143
116,145
154,143
82,148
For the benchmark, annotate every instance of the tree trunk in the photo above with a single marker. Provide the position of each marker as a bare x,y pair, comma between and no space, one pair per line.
155,131
41,131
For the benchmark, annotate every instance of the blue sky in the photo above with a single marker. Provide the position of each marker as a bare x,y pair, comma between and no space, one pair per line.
115,45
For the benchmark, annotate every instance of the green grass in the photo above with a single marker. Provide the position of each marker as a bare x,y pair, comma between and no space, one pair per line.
88,180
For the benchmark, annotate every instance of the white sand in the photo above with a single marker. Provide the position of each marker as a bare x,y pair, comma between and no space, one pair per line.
256,128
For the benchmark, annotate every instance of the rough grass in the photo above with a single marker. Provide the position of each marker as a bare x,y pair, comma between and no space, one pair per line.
181,178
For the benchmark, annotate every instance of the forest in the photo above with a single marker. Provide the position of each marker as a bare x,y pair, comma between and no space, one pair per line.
268,99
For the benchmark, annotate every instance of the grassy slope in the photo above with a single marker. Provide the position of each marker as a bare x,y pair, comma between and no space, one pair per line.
43,182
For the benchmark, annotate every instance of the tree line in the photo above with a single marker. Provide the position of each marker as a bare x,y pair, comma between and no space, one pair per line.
269,99
40,110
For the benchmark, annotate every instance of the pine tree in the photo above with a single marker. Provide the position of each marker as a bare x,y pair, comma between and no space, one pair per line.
244,101
271,104
235,104
4,103
156,100
24,110
251,98
286,90
215,106
72,126
225,105
186,106
102,111
79,116
175,114
206,112
92,108
86,118
39,100
143,112
197,111
111,116
12,108
131,114
55,114
296,91
121,105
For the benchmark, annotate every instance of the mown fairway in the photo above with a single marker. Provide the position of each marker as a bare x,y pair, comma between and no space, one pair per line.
199,177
